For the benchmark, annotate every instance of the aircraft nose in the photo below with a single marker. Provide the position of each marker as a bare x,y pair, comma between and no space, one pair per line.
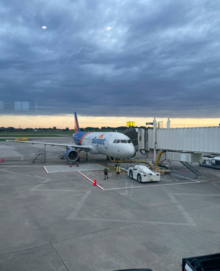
132,151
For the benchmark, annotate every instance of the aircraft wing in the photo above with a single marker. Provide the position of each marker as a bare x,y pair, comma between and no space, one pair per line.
68,145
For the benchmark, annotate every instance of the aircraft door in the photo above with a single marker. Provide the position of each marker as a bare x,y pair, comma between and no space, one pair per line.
107,140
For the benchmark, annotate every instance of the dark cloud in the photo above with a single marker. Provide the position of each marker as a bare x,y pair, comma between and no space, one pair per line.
108,58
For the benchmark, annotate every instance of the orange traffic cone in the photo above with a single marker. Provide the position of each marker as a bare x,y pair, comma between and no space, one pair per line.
77,164
3,160
94,182
70,164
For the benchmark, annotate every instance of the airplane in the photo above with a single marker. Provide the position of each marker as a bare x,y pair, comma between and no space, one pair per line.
112,144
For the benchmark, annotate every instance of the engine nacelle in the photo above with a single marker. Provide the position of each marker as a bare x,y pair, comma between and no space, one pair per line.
71,155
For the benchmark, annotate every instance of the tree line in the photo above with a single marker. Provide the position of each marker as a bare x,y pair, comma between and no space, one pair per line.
86,129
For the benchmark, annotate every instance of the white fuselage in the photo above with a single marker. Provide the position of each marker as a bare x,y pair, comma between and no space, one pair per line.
113,144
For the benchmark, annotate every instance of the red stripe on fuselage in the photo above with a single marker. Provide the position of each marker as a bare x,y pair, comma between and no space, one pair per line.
82,138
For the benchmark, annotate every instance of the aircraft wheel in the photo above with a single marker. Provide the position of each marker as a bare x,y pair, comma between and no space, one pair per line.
139,178
131,174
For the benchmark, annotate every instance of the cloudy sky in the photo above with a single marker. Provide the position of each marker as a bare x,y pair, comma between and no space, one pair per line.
126,58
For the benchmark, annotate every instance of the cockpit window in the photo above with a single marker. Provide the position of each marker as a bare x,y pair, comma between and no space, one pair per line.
121,141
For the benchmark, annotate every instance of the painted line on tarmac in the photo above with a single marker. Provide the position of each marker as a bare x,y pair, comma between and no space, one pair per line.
123,188
39,185
90,180
185,177
45,169
132,187
182,210
16,173
193,194
135,222
79,206
155,185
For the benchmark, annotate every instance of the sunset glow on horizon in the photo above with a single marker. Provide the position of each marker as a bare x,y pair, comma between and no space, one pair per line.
61,122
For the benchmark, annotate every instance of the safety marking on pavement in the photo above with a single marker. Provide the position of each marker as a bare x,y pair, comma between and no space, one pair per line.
193,194
150,186
133,222
90,180
190,222
147,186
79,206
73,168
181,209
131,187
185,177
215,184
16,173
45,169
39,185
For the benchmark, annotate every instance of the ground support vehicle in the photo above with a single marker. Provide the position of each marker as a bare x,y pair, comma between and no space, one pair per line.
210,161
143,174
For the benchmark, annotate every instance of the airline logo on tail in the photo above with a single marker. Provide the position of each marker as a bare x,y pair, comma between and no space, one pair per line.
76,124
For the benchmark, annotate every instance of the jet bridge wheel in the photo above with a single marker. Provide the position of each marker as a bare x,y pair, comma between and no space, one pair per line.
139,178
131,174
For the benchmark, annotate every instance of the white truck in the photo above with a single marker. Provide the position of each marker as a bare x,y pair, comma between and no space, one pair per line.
143,174
211,161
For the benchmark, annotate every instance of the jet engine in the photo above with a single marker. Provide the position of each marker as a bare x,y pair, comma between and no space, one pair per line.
71,155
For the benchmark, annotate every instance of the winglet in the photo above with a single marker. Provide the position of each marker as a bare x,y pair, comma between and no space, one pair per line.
76,124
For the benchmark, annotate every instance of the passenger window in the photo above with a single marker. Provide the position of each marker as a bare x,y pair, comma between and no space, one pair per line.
123,141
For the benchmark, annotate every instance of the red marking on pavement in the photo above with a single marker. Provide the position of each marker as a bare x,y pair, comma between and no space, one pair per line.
183,170
45,169
90,180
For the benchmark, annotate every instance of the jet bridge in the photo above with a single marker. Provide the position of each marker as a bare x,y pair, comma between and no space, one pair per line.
193,140
185,145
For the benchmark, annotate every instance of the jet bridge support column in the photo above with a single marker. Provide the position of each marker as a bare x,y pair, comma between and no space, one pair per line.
158,158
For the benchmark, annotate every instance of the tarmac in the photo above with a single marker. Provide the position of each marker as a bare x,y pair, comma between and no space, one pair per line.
52,217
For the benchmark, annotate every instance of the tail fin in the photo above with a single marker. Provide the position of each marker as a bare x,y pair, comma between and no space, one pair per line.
76,124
